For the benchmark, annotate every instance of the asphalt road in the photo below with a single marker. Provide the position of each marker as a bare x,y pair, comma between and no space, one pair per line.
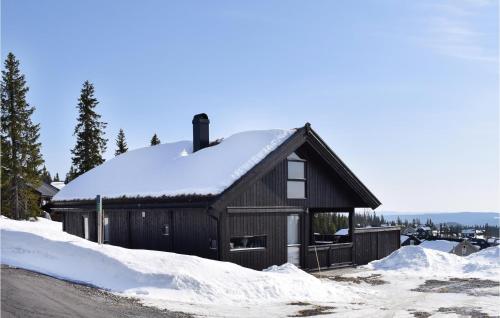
28,294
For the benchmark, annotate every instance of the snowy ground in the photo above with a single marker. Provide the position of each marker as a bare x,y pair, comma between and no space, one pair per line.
411,282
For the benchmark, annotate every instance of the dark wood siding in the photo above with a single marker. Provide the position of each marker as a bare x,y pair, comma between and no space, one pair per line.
272,224
73,223
324,187
190,229
375,243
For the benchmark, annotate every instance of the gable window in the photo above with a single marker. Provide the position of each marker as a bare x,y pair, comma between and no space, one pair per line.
296,183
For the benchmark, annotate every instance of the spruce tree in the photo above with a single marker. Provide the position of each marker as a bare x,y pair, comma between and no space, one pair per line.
20,148
121,144
46,177
70,175
56,178
155,140
89,132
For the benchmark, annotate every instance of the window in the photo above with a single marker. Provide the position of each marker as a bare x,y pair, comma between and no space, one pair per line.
212,244
86,227
296,184
165,230
106,229
248,242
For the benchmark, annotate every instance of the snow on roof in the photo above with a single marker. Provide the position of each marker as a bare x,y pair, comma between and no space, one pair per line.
172,169
58,184
342,232
403,238
439,245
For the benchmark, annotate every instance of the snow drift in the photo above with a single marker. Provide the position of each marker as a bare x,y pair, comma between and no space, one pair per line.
439,245
172,169
424,261
42,246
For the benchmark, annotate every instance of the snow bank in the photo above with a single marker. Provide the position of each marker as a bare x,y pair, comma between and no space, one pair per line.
424,261
172,169
151,275
439,245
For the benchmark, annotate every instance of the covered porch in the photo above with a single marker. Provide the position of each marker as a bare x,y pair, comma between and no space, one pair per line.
332,240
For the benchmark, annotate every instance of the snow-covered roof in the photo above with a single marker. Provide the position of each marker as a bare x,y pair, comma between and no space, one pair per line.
342,232
172,169
58,184
47,190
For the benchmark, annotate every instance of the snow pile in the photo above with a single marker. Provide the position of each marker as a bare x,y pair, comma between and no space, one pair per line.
439,245
172,169
423,261
484,260
151,275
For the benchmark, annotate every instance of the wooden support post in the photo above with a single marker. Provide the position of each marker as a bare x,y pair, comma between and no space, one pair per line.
352,236
100,220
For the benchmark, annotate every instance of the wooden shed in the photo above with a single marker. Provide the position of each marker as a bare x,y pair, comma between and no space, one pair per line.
251,199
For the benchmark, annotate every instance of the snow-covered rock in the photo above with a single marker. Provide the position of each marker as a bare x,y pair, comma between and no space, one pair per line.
172,169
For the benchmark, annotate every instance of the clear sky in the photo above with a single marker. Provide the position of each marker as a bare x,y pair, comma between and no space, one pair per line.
405,92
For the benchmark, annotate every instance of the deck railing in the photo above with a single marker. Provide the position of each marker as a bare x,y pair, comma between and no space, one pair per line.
368,244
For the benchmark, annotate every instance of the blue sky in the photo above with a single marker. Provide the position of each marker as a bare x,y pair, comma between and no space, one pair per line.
406,92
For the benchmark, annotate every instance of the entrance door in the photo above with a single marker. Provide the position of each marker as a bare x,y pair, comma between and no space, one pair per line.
293,241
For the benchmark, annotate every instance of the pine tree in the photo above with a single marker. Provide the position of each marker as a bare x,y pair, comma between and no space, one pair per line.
70,175
121,144
155,140
46,177
56,178
89,132
21,155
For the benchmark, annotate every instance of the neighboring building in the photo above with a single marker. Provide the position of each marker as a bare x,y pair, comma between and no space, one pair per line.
473,234
493,241
465,248
248,199
409,231
58,184
46,192
409,240
423,232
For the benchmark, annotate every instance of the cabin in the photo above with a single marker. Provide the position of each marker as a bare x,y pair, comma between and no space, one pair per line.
465,248
45,192
409,240
253,199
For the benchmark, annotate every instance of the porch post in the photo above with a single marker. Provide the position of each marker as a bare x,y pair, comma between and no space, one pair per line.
352,236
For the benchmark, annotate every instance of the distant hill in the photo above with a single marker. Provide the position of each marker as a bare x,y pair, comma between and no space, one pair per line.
464,218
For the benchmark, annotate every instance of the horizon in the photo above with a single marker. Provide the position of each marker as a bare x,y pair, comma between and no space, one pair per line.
406,95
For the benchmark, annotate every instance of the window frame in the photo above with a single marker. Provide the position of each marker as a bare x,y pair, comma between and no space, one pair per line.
242,249
293,157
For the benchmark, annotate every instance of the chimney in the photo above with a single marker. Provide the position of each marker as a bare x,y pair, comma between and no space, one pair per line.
200,131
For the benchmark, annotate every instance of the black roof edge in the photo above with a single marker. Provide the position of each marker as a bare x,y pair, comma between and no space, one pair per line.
348,175
141,202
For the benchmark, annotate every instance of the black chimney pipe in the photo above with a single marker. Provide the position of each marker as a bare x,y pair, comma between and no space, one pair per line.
200,131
